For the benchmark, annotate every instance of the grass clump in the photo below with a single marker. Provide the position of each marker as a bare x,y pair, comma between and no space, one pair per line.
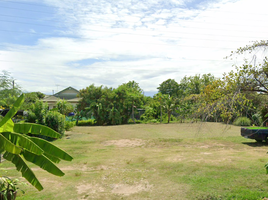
89,122
242,121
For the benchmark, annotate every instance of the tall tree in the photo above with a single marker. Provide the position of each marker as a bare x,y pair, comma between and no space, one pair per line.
169,87
9,90
253,74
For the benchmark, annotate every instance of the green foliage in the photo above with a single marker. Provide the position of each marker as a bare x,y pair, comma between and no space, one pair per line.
89,122
9,90
56,121
242,121
69,125
31,98
149,114
111,106
64,107
169,87
8,188
20,149
37,112
195,84
170,105
257,119
31,117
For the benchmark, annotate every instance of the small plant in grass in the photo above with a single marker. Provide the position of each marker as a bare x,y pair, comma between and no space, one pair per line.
19,148
242,121
8,188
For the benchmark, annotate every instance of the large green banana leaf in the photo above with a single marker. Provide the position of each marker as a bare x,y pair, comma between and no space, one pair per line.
12,111
51,149
22,141
43,162
35,129
8,126
52,158
6,145
19,147
25,170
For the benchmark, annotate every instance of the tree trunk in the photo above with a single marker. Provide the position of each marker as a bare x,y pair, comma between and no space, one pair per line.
161,114
133,118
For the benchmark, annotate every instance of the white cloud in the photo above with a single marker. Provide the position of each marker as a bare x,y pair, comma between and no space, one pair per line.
145,41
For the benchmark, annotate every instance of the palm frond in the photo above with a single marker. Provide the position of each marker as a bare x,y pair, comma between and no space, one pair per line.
22,167
43,162
51,149
22,141
35,129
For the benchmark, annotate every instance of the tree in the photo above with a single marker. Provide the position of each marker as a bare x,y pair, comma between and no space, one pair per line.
132,100
195,84
252,75
9,90
30,98
222,100
111,106
169,104
64,107
169,87
19,148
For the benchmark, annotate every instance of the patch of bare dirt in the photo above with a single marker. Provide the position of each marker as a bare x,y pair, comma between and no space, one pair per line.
89,188
125,143
125,189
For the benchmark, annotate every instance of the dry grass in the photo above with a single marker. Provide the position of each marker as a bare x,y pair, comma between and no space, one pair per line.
163,161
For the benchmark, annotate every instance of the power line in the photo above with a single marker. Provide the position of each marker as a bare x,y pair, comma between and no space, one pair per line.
182,59
211,10
107,31
178,38
17,2
27,10
195,22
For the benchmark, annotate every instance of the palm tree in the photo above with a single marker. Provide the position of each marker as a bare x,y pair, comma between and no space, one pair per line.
19,148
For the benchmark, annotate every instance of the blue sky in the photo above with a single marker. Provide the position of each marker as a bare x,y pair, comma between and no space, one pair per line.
50,44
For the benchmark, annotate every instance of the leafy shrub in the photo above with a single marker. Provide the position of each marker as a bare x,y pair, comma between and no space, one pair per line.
242,121
149,114
56,121
153,121
64,107
257,119
69,125
31,117
89,122
37,113
130,121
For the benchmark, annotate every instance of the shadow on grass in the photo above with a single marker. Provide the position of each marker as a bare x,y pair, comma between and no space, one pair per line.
255,144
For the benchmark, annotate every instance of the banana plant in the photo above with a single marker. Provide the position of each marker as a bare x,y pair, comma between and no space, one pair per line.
19,148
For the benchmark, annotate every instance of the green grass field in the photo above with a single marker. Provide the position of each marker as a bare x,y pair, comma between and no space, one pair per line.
163,161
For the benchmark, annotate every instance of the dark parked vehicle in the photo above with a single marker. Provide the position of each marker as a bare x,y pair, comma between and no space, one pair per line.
257,133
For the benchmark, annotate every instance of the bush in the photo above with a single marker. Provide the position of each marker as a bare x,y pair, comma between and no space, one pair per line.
242,121
69,125
56,121
89,122
257,119
31,117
